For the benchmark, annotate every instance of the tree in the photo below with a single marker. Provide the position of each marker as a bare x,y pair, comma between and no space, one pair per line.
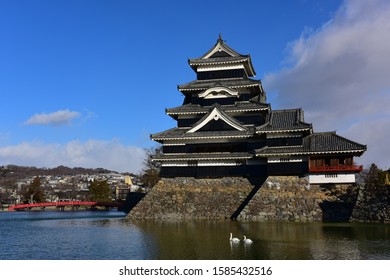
100,191
34,191
10,188
151,172
375,178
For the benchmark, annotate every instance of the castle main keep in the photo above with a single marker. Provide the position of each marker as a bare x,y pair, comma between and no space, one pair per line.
232,156
225,127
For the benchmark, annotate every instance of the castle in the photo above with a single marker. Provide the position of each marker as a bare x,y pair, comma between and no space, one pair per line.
226,128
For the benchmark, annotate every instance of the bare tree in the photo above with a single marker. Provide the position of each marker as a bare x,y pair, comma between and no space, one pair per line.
151,172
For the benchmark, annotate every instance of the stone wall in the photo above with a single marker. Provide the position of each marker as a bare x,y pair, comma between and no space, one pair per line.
190,198
284,198
373,205
290,198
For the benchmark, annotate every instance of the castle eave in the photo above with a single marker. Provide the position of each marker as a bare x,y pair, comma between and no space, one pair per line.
198,62
236,108
283,130
200,137
297,151
208,156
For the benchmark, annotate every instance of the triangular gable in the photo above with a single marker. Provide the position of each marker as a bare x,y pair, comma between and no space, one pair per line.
219,54
220,46
217,115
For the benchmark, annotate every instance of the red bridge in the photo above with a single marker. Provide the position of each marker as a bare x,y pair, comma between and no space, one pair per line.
63,204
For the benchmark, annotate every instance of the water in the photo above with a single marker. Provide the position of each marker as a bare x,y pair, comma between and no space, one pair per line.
109,236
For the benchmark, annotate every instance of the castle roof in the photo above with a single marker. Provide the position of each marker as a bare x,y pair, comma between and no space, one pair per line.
182,134
327,142
284,120
316,143
245,106
222,54
199,85
204,156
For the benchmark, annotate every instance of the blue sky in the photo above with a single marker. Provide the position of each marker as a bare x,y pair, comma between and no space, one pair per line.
84,83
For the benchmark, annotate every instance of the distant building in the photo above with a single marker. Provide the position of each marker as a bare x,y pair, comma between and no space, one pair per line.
128,180
225,127
121,192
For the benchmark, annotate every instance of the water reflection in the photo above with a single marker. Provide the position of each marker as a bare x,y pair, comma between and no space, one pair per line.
210,240
106,236
335,249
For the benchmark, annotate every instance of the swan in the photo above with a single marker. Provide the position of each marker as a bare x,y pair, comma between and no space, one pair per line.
247,240
234,239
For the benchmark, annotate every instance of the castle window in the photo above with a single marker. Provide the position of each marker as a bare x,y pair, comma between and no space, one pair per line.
192,163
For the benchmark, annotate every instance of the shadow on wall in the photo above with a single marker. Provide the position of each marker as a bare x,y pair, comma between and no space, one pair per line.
336,211
257,183
132,200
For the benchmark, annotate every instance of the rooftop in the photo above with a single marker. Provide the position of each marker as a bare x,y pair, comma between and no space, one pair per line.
198,85
285,120
221,53
316,143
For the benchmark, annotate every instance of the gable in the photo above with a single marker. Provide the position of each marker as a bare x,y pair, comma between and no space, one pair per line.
217,119
219,92
220,53
220,49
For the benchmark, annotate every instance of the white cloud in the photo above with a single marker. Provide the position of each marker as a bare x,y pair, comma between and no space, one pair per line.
371,132
339,75
61,117
111,155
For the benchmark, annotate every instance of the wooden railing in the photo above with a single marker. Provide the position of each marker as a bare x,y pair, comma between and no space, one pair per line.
336,168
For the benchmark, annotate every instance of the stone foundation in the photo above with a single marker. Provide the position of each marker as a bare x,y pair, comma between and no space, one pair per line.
373,205
190,198
289,198
281,198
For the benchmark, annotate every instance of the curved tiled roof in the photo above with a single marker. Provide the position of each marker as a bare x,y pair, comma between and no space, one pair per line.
203,156
218,60
237,107
279,151
231,83
220,46
181,134
220,54
284,120
331,142
316,143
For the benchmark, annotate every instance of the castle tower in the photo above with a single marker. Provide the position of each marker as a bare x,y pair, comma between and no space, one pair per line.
225,128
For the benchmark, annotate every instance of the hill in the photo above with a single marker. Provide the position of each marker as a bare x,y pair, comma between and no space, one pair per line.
18,172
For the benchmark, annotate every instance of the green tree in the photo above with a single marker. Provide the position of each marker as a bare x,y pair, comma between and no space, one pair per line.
375,178
34,191
151,173
100,191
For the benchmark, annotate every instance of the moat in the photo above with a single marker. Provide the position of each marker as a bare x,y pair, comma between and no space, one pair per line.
108,235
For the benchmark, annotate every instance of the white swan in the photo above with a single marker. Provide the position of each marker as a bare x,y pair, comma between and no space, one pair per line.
247,240
234,239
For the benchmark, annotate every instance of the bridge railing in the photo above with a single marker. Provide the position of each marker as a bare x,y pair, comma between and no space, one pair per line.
63,204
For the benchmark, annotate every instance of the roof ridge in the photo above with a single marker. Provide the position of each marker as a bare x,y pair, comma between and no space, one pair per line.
333,132
286,110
